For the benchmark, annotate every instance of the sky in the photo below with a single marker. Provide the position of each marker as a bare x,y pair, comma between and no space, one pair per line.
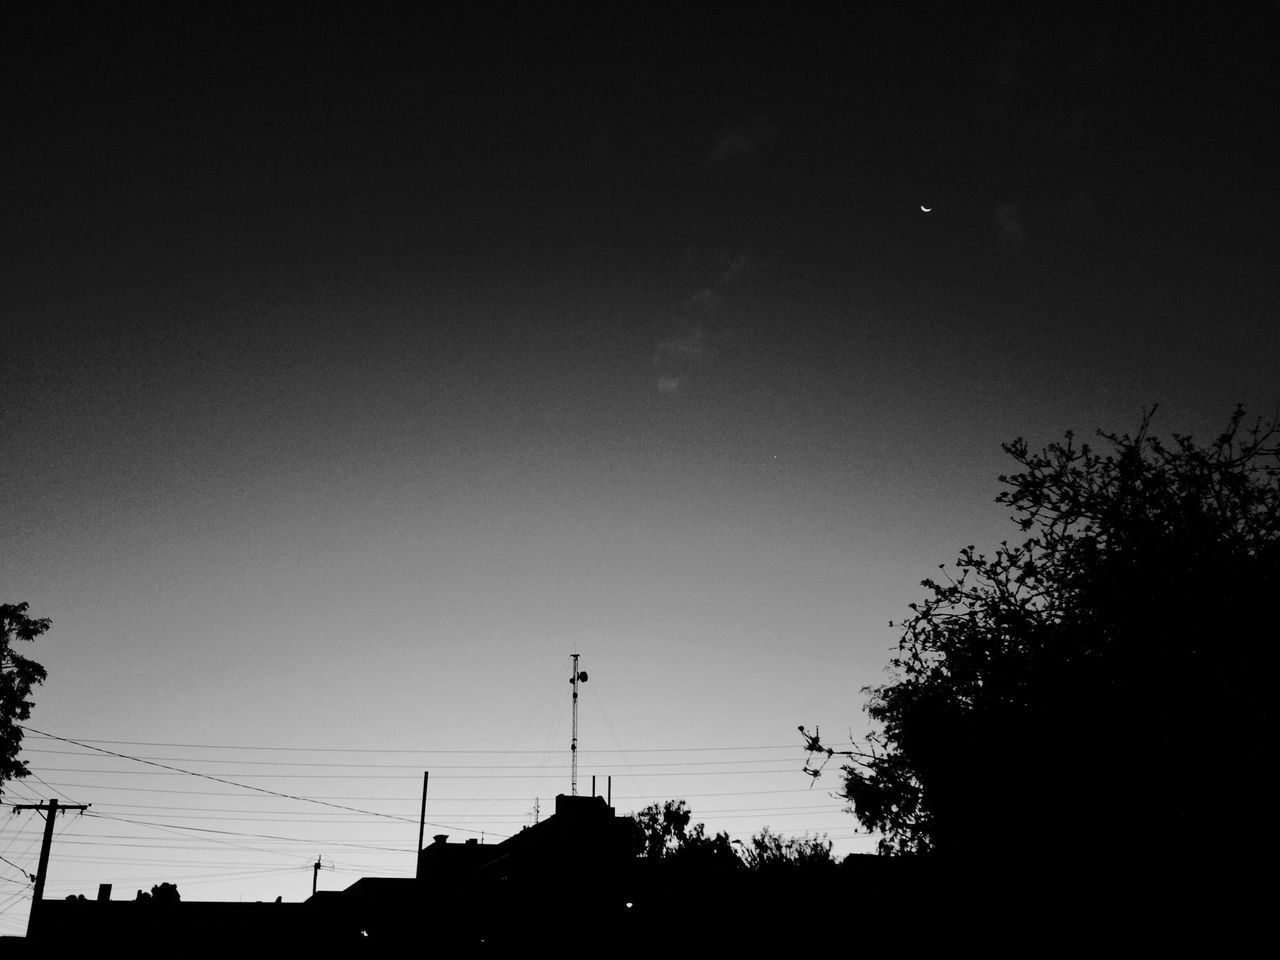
360,367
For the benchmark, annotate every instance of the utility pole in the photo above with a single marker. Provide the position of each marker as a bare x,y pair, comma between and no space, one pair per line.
52,808
575,679
422,818
315,874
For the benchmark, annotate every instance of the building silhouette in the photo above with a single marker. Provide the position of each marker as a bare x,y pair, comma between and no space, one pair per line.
463,895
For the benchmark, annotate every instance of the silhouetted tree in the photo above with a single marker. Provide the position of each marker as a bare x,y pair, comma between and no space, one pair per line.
1109,683
769,852
165,893
18,675
665,831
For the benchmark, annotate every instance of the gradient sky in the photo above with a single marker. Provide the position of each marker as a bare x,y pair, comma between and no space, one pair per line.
359,368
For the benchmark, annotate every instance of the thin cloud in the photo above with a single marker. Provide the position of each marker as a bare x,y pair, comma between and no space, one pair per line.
734,271
742,141
707,299
691,347
1008,222
669,386
696,331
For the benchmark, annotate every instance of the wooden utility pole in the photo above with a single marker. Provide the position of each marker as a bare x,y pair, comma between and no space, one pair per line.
315,874
52,808
422,818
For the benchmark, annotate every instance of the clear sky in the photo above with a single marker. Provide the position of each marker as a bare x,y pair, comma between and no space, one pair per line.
360,367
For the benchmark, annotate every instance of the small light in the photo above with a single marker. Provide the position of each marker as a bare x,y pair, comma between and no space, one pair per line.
630,904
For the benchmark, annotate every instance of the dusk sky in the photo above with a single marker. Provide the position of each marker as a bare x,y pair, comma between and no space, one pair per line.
361,367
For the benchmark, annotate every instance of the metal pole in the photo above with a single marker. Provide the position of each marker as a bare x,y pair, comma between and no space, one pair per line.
573,746
315,875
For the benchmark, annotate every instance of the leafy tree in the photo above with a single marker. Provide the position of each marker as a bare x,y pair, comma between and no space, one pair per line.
17,676
165,893
1108,684
664,831
769,852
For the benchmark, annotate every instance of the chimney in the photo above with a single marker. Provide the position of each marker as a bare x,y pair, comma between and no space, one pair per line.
104,892
440,838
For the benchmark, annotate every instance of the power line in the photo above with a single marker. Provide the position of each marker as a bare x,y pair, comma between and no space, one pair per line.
272,816
408,766
29,876
224,746
41,779
173,771
401,799
238,833
232,783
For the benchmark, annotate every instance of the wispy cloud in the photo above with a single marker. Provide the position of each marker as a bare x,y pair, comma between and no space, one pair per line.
696,329
741,141
1008,223
669,385
690,347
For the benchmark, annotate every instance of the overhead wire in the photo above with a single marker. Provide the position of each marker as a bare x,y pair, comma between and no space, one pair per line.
442,750
407,766
260,836
625,763
554,683
42,780
174,771
10,900
231,783
401,799
25,873
249,816
25,853
504,765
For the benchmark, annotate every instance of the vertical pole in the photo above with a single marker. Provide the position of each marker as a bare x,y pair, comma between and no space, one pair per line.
315,875
41,870
51,811
573,746
593,785
610,789
422,817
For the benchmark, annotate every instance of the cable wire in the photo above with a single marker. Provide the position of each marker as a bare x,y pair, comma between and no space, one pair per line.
233,783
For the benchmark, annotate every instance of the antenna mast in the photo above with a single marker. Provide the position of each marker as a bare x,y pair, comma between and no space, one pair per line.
576,678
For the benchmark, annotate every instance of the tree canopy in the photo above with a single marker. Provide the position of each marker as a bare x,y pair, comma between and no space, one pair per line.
769,852
666,832
1107,683
18,675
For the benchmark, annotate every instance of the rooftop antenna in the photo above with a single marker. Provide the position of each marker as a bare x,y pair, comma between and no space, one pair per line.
576,678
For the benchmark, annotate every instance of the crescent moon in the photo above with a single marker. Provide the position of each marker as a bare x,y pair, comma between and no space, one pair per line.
925,209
